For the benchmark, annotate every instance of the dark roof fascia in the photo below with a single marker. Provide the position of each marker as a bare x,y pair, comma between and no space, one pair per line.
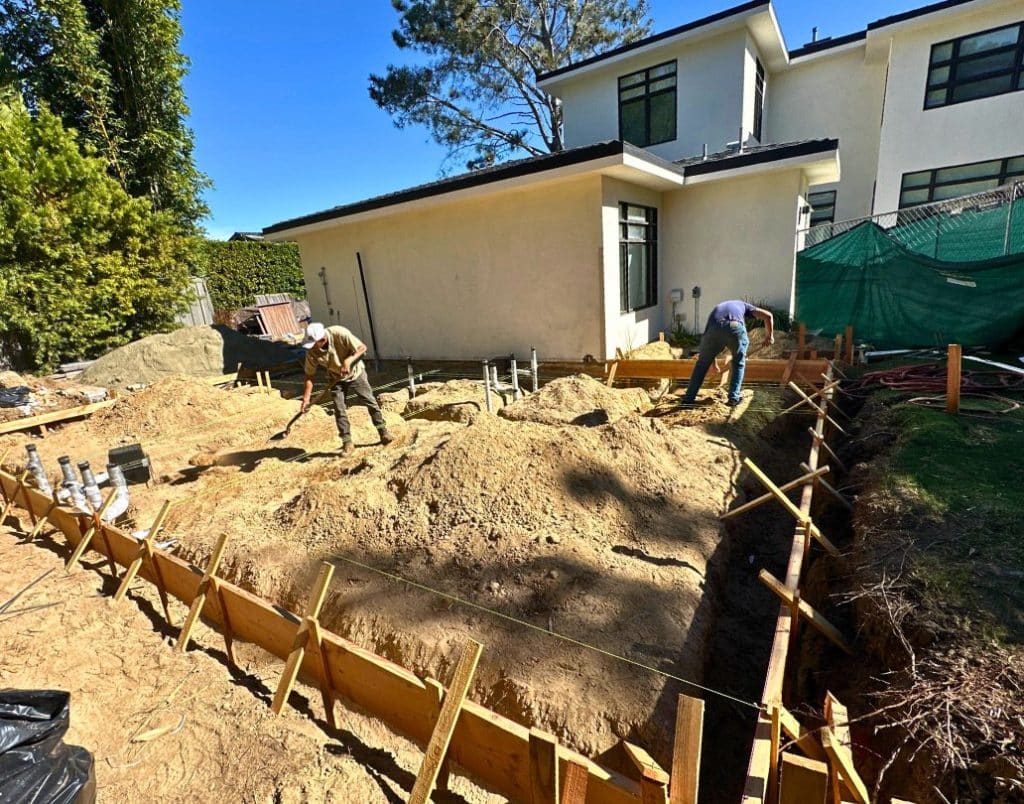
510,170
916,12
721,15
760,157
827,44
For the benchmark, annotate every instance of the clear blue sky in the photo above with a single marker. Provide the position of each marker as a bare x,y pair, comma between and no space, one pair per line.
283,121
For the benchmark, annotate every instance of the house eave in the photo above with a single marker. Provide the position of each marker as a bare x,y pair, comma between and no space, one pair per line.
819,168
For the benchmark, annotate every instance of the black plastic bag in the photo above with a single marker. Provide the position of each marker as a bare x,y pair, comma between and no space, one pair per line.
35,764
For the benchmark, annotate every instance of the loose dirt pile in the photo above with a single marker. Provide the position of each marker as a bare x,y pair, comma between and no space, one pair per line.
657,350
44,395
581,400
455,401
192,351
607,534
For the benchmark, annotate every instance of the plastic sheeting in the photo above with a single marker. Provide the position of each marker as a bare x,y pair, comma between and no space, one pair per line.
35,764
898,298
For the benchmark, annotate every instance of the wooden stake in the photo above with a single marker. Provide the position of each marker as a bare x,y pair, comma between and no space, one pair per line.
824,443
812,615
836,740
543,767
790,506
829,488
849,345
811,397
792,484
229,634
773,759
822,411
316,644
653,779
200,599
445,726
686,750
788,372
611,373
266,382
801,737
801,340
41,522
954,359
837,352
83,545
145,553
14,496
574,789
302,634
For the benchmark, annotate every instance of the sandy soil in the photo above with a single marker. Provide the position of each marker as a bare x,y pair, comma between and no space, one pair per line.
595,532
222,741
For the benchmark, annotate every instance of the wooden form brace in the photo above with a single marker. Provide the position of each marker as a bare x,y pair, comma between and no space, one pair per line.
444,728
574,789
544,770
57,416
823,483
146,554
686,750
490,748
13,496
206,585
820,410
769,496
791,598
954,362
44,519
97,524
836,740
653,779
756,371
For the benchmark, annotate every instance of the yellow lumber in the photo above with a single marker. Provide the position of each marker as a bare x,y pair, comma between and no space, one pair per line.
830,488
954,362
792,484
612,372
41,522
821,438
17,425
809,398
221,379
835,738
491,748
145,551
802,738
822,410
764,370
811,614
441,737
299,643
686,750
543,767
87,536
316,642
804,781
13,496
200,599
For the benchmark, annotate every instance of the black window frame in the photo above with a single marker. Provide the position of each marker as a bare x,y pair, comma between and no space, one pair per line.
953,62
1003,176
647,95
759,87
831,203
651,244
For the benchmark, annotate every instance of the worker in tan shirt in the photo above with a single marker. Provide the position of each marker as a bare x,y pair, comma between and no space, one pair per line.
338,350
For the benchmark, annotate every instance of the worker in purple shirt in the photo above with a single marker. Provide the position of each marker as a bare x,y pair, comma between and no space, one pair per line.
726,329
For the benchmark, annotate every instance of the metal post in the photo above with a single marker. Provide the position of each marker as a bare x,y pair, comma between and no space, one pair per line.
515,378
494,376
533,367
487,386
412,377
1009,218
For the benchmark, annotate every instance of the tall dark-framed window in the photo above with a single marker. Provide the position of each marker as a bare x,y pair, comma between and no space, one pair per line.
976,66
823,207
638,256
758,100
647,105
925,186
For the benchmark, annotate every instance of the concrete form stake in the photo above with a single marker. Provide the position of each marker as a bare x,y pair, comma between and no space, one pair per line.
412,378
487,386
533,367
515,378
494,376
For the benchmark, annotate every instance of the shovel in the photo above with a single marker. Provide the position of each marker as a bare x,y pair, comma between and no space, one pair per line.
284,433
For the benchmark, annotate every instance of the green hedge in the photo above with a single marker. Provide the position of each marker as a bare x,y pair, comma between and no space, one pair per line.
237,270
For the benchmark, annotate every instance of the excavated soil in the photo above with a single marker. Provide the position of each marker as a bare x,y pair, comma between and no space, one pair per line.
580,400
605,534
191,351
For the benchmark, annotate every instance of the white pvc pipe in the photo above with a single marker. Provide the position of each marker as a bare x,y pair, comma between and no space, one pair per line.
515,378
533,366
1004,366
487,386
121,496
412,378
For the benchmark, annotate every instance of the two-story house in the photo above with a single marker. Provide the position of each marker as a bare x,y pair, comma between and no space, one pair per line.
694,160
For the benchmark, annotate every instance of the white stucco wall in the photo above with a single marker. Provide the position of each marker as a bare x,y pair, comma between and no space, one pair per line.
913,138
733,239
834,96
627,330
750,56
473,278
709,108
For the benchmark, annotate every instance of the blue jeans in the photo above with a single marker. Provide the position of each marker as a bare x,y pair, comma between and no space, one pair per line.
731,335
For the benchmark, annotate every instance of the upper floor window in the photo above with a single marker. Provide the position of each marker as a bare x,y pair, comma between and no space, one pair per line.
647,105
638,256
758,100
926,186
823,207
976,66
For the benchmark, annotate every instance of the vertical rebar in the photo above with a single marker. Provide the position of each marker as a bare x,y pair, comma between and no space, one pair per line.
487,386
412,377
533,367
515,378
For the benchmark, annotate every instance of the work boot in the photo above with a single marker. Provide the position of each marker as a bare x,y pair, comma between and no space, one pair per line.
386,437
347,448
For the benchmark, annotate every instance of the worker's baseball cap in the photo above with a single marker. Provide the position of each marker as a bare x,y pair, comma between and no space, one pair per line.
314,332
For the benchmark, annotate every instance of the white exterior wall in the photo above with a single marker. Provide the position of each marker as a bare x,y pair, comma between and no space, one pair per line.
836,96
913,138
627,330
734,239
709,97
750,56
471,279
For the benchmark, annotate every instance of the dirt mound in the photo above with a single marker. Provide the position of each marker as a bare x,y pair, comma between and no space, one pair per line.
192,351
657,350
578,400
454,401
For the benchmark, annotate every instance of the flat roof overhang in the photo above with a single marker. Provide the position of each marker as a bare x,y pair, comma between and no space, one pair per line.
820,165
614,159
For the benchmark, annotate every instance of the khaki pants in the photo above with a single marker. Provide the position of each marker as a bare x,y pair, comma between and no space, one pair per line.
360,388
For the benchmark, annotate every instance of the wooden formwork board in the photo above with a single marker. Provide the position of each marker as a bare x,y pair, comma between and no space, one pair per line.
756,371
57,416
491,748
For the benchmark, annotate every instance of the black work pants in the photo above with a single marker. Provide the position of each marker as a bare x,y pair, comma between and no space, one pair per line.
360,387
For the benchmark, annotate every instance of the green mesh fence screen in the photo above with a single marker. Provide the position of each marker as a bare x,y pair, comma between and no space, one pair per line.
927,281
